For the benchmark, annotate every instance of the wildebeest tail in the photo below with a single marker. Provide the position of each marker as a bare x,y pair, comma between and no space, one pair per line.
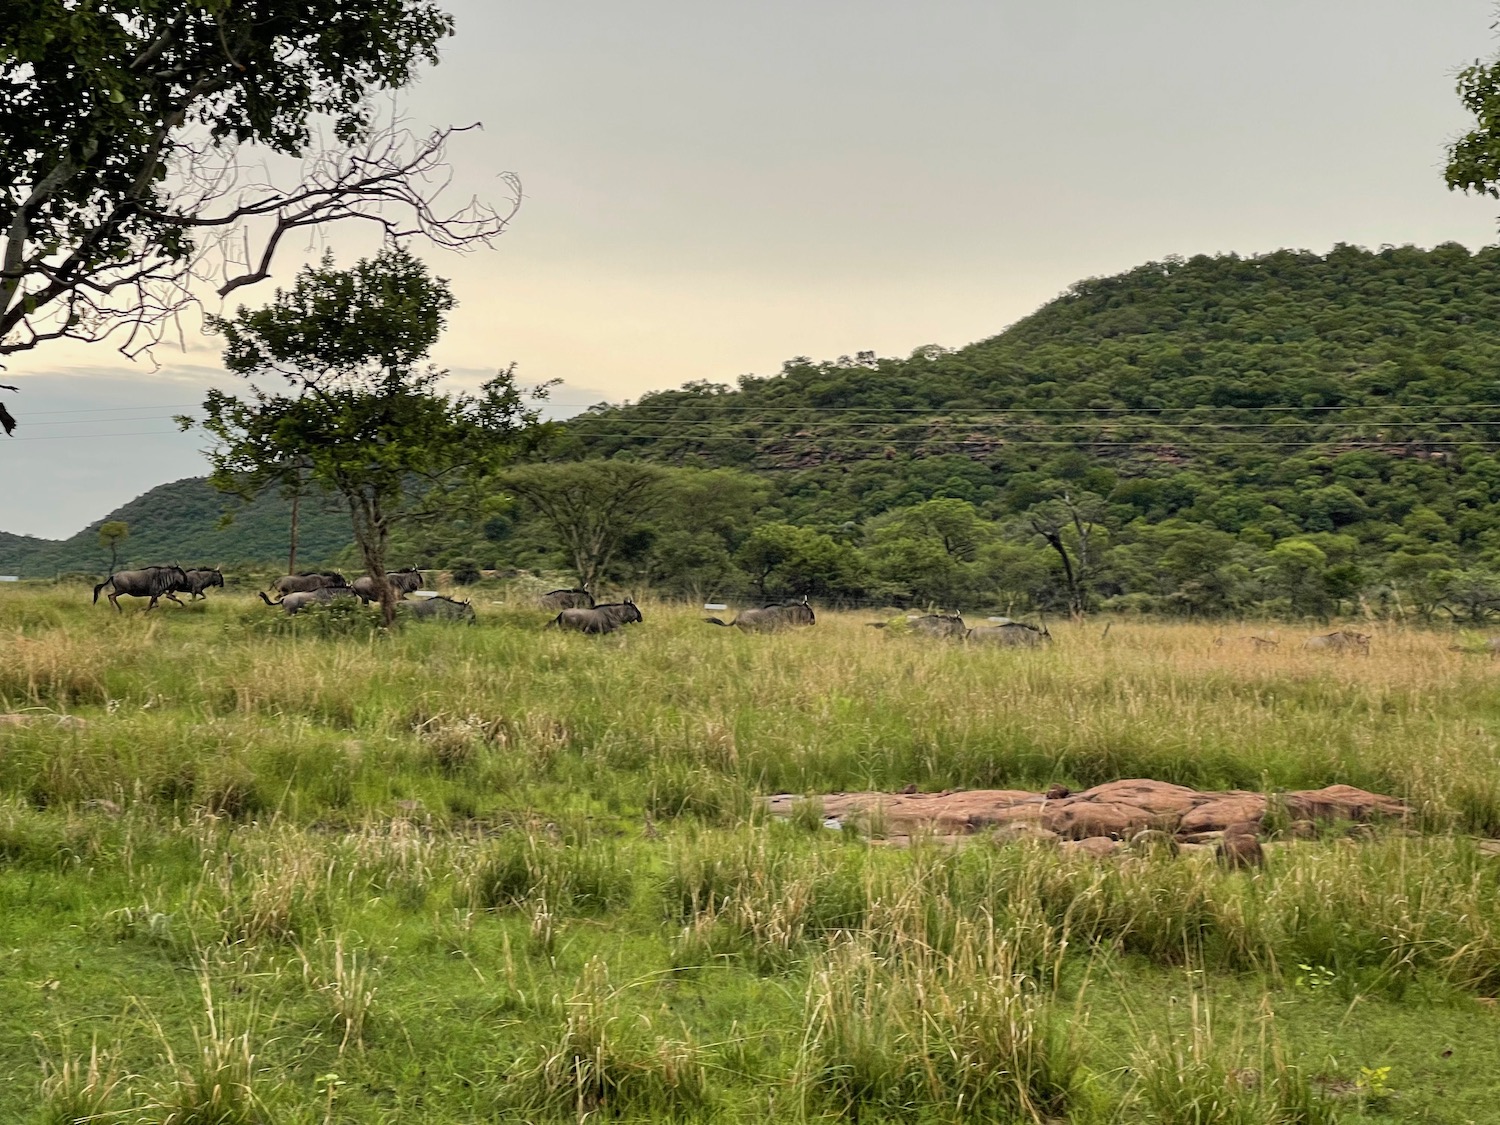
267,600
101,586
716,621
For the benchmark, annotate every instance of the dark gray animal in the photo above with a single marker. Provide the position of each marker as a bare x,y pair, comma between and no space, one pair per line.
152,582
298,600
438,609
200,579
599,619
771,618
403,581
568,599
938,625
1016,633
307,580
1341,641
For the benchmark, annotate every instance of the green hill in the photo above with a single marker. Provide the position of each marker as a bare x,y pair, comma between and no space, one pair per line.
180,522
1349,402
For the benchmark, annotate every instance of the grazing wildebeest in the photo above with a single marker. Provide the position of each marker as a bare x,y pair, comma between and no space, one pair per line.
576,598
1343,640
438,609
599,619
151,582
928,625
308,580
298,600
199,579
1010,633
403,581
771,618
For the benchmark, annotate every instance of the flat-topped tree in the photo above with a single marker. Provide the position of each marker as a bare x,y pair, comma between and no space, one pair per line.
359,414
124,125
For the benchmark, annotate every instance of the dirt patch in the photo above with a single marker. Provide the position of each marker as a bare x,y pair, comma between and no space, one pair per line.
1116,811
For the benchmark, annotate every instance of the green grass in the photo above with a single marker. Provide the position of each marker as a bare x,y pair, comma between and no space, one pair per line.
313,874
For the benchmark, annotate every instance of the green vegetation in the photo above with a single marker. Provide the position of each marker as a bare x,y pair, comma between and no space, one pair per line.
312,874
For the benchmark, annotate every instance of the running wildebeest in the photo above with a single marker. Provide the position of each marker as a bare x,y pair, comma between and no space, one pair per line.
771,618
1010,633
599,619
438,609
308,580
298,600
199,579
403,581
1264,644
576,598
928,625
1343,640
151,582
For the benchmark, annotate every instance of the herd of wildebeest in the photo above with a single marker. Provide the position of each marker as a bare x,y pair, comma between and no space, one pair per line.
576,609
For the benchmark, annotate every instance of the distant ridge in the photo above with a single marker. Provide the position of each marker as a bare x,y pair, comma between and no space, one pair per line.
180,522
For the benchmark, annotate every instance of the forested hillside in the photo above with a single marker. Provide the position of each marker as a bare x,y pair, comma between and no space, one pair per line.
180,522
1293,430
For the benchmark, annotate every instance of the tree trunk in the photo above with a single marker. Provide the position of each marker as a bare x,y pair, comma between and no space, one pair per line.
291,558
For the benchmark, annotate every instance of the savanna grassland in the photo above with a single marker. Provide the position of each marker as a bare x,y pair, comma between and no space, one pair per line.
302,871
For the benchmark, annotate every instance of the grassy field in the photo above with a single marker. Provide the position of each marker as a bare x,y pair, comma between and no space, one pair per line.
305,872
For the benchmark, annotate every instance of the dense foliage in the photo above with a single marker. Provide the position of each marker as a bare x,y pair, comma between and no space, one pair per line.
1293,430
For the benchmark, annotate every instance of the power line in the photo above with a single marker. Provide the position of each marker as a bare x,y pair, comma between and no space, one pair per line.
96,437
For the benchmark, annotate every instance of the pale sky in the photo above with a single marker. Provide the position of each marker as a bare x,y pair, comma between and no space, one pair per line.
714,188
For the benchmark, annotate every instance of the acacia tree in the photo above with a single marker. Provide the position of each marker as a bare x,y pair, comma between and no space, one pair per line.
359,416
590,506
1070,525
123,124
111,534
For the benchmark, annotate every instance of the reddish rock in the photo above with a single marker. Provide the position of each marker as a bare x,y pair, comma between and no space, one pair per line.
1075,818
1056,792
1156,797
1342,802
1239,851
1095,846
1222,810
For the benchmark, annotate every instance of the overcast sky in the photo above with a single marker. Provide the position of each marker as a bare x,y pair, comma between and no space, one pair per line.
713,188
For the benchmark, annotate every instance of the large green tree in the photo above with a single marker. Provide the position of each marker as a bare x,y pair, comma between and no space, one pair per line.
359,414
123,127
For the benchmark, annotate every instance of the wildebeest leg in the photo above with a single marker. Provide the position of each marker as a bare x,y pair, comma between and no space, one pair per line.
152,603
169,595
114,600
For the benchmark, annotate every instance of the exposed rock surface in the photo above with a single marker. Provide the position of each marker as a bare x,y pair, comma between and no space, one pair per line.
1114,812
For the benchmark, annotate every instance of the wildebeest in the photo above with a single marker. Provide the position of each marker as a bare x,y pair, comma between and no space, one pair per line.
199,579
298,600
928,625
1010,633
308,580
151,582
1263,644
403,581
768,619
438,609
575,598
1343,640
599,619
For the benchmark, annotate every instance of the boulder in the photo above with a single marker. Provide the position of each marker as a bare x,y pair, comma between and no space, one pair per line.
1222,810
1240,851
1156,797
1342,802
1075,818
1096,847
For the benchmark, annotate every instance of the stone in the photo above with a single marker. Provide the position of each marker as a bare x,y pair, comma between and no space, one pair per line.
1023,831
1240,851
1075,818
1156,797
1223,810
1097,847
1056,792
1343,802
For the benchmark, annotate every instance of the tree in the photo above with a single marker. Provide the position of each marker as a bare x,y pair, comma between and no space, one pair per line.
111,534
123,127
800,560
362,420
1070,527
592,507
